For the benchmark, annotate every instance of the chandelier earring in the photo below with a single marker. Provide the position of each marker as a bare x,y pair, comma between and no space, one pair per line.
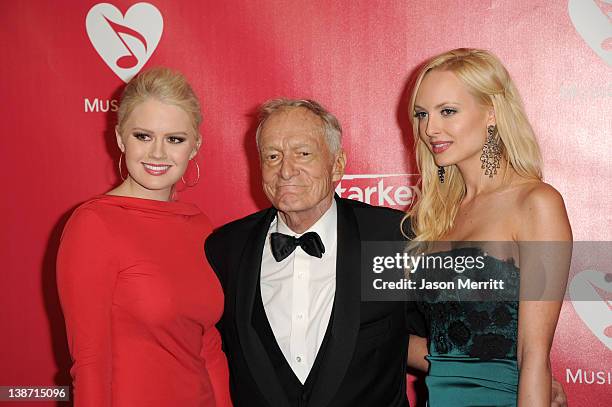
441,174
119,167
197,179
491,152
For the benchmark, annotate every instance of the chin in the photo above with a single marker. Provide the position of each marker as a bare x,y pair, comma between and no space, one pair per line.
289,205
155,185
444,162
293,203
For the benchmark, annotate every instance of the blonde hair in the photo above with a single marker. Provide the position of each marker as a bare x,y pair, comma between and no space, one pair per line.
165,85
488,81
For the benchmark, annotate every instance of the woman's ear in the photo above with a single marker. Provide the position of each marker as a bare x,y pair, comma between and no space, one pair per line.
119,140
198,144
491,117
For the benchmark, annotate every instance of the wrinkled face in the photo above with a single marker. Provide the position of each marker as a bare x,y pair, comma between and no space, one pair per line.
451,122
158,140
298,170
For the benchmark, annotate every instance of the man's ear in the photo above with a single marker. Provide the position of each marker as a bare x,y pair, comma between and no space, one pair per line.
339,165
119,140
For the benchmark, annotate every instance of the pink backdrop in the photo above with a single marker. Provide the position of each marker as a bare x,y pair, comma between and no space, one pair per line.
353,56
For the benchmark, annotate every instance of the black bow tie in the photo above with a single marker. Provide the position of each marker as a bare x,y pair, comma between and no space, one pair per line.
283,245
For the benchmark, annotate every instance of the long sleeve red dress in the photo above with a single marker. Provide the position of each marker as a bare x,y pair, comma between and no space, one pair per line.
140,304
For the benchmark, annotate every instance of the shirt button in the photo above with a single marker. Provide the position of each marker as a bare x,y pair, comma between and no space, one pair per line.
300,316
298,359
300,275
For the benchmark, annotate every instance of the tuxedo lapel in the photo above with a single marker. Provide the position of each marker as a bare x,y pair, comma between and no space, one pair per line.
346,315
254,352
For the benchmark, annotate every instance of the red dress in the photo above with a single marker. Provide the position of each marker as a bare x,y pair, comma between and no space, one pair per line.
140,303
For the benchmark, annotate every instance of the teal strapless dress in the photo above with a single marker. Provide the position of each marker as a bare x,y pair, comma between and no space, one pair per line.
472,347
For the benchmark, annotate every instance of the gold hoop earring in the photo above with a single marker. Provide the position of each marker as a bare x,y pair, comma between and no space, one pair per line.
197,179
119,166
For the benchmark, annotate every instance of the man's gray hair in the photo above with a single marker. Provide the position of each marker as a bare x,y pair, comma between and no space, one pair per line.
331,127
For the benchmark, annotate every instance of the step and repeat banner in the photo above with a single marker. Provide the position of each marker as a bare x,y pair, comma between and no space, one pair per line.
66,62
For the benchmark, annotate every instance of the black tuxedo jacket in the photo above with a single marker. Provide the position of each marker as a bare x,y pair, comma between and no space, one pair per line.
365,359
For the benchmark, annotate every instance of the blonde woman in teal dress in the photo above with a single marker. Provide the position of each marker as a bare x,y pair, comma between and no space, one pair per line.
482,182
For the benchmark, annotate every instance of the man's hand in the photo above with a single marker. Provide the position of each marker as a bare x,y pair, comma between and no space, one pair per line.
417,350
557,397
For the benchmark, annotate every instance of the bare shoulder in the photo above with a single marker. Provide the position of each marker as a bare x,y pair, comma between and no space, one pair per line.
539,196
542,213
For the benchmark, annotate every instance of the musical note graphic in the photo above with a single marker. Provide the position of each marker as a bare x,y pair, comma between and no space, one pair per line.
130,60
124,41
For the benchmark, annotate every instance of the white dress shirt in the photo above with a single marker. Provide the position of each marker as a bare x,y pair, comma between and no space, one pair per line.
298,293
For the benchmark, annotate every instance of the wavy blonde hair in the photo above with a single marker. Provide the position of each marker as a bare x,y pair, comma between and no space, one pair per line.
166,86
488,81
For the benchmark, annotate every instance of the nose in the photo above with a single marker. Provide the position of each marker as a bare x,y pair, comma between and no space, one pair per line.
431,126
158,149
288,169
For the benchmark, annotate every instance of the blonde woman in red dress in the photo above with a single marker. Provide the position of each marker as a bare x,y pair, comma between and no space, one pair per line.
139,299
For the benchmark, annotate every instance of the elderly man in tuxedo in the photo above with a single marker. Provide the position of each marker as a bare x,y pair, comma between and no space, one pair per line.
294,329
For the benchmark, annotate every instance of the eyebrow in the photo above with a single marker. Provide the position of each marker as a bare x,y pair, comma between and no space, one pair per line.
176,133
301,145
292,147
439,105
